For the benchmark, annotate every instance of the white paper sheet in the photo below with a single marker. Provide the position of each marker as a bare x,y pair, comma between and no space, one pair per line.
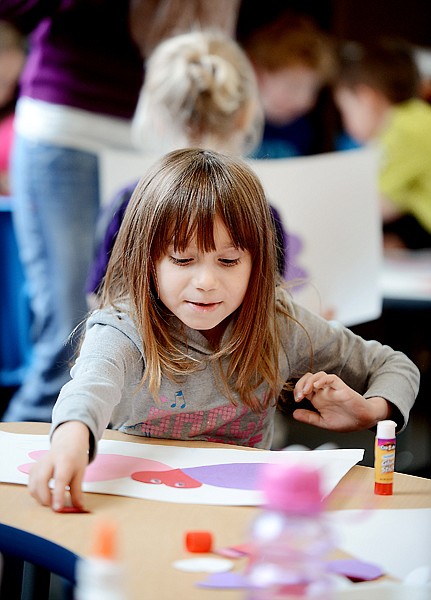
119,168
397,540
331,202
210,467
383,591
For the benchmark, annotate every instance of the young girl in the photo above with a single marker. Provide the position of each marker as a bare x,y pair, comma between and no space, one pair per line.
194,339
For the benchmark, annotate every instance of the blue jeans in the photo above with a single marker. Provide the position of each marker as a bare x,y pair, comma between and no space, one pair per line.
56,202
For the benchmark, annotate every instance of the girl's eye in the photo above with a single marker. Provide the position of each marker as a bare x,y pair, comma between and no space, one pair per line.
180,261
226,262
229,262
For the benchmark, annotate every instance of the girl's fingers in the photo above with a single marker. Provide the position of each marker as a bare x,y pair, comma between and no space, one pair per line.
38,484
76,494
301,387
42,494
323,380
309,383
61,486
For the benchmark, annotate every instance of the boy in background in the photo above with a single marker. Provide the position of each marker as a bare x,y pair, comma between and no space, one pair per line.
293,60
377,93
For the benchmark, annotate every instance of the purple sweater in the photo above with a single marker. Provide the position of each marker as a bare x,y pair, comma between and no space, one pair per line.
81,54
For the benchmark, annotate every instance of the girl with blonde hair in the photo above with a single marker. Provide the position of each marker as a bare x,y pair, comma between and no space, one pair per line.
200,90
195,339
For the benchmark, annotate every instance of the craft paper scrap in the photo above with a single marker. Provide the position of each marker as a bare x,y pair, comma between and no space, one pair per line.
221,476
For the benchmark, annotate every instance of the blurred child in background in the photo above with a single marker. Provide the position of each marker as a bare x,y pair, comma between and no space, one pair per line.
377,92
12,58
293,60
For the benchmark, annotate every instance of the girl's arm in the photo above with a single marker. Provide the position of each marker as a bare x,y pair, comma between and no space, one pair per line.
108,363
65,463
84,407
366,378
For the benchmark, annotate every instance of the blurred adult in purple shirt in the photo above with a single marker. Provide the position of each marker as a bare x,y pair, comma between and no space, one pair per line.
78,93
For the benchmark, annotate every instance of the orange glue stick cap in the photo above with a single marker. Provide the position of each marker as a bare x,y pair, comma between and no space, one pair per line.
199,541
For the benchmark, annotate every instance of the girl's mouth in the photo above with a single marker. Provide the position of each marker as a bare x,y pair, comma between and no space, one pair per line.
204,306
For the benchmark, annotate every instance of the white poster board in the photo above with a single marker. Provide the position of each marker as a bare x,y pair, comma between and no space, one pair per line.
222,476
119,168
330,202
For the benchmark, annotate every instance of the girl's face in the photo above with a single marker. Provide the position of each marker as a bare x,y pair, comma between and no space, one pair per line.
202,289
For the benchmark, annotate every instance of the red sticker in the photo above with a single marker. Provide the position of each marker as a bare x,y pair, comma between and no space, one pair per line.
71,509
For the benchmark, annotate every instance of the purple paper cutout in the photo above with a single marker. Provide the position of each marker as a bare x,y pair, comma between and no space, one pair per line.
240,476
355,569
294,270
234,581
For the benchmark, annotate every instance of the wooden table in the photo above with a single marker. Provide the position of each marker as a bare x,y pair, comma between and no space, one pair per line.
152,533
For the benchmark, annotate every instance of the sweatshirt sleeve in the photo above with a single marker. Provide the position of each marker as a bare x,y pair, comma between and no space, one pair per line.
311,343
106,359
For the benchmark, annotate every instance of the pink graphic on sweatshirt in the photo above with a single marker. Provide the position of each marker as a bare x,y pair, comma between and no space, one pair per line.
225,423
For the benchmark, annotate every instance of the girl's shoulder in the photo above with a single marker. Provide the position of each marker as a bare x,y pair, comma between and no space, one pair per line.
108,313
117,318
285,302
291,312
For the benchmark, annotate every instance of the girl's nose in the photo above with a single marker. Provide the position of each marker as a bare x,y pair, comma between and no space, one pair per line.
205,278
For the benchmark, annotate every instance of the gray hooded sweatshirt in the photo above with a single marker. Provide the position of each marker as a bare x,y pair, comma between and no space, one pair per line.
105,386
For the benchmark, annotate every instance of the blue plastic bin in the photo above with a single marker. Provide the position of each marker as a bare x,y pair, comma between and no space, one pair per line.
15,314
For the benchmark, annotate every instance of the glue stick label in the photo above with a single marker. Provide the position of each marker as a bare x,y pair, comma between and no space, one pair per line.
384,460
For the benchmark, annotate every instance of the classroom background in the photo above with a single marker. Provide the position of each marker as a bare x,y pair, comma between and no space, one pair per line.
403,324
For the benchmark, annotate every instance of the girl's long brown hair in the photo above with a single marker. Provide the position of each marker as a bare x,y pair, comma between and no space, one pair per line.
176,203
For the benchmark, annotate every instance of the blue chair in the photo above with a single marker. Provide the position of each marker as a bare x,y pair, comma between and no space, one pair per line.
15,314
29,564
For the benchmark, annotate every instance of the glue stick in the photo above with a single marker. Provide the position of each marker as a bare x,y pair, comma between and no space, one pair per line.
100,576
384,458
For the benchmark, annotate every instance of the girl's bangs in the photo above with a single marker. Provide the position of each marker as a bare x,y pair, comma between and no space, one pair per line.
194,228
195,197
198,228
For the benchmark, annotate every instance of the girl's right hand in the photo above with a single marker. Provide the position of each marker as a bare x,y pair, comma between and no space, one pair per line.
65,463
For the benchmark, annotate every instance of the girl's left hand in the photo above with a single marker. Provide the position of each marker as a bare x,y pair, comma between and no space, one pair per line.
338,406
